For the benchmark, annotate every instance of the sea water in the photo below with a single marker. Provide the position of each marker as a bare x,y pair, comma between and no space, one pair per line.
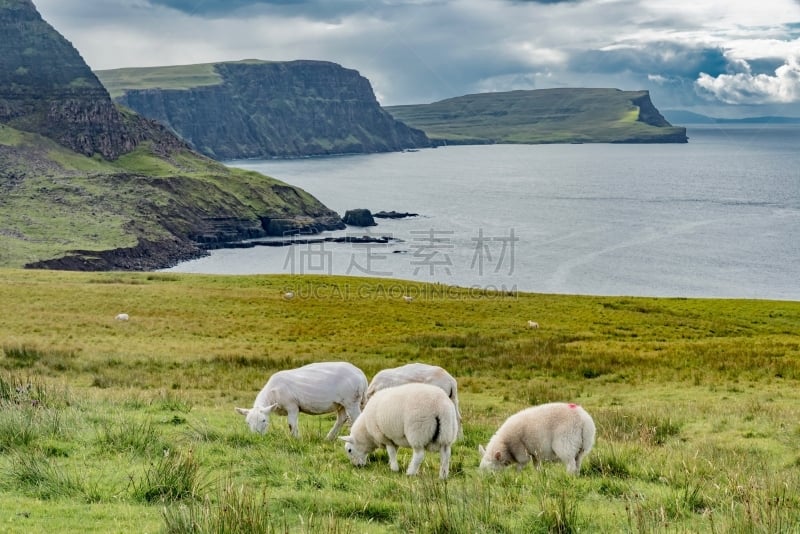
716,217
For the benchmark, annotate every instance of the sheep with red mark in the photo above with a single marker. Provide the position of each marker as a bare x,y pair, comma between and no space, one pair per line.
549,432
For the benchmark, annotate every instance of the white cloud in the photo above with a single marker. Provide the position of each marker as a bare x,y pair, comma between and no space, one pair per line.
747,88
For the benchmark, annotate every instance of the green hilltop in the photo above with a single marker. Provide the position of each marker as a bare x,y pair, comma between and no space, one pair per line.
87,185
569,115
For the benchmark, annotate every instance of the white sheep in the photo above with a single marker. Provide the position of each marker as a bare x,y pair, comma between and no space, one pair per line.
408,299
421,373
548,432
122,317
289,295
533,324
419,416
316,388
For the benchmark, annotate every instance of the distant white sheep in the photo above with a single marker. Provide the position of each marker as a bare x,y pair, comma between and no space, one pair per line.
316,388
289,295
533,324
122,317
419,416
417,372
548,432
408,299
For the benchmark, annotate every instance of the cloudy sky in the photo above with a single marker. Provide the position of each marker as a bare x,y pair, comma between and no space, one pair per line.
719,57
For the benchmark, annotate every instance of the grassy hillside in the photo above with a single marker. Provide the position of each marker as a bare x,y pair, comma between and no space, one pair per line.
542,116
116,81
55,202
110,426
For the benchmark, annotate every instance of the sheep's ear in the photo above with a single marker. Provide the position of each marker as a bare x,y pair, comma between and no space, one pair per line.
347,439
242,411
271,407
481,450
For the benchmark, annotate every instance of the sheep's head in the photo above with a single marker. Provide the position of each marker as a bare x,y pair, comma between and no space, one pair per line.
357,456
257,418
496,460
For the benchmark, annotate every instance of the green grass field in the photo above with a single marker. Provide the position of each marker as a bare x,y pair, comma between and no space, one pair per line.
117,81
111,426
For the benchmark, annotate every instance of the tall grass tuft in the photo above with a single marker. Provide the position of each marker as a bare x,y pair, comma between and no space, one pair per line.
126,435
14,390
26,356
174,477
238,510
628,426
42,478
559,515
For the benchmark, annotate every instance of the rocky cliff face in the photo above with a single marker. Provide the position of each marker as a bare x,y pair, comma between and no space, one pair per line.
47,88
281,109
157,203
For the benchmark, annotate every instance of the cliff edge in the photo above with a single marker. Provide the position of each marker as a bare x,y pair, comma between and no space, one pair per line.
261,109
87,185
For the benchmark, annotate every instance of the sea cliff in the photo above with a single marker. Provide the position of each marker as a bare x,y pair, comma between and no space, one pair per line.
259,109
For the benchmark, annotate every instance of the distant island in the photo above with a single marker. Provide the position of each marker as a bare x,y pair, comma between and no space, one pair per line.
568,115
264,109
689,117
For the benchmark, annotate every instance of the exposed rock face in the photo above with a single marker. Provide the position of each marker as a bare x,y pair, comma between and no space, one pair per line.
359,217
280,109
159,204
47,88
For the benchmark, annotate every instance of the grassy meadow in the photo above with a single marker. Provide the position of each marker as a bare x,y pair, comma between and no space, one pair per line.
112,426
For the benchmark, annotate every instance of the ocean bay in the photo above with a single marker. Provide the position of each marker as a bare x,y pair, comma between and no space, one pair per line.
717,217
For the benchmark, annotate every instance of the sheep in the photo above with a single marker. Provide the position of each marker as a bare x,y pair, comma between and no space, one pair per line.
548,432
289,295
533,324
122,317
419,416
417,372
316,388
408,299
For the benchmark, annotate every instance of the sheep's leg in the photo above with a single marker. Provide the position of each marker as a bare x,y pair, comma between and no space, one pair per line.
292,414
341,417
353,411
416,461
569,458
521,456
444,458
392,451
572,465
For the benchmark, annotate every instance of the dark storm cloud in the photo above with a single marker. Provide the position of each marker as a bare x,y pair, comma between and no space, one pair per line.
414,51
311,9
665,59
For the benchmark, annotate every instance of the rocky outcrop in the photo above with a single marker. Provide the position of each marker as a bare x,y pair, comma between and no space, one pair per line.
275,109
359,217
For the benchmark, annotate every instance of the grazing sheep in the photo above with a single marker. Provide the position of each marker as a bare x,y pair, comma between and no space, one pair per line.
289,295
533,324
419,416
316,388
548,432
408,299
417,372
122,317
